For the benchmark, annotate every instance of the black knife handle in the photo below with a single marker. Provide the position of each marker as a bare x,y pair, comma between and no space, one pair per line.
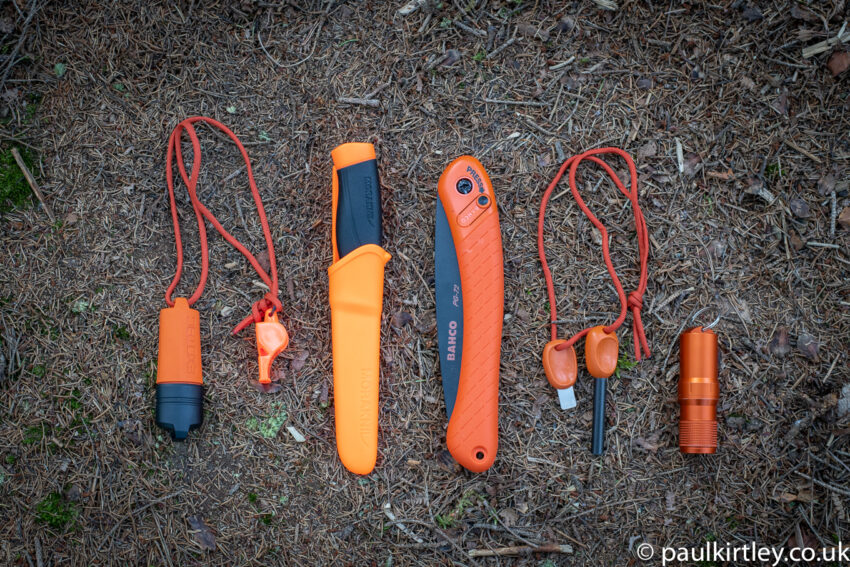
358,218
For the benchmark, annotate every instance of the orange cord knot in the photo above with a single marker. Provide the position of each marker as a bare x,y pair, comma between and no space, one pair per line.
635,301
258,311
636,304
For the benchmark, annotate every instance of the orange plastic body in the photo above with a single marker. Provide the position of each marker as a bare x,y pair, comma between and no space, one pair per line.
698,391
601,351
356,287
560,365
473,432
272,339
179,360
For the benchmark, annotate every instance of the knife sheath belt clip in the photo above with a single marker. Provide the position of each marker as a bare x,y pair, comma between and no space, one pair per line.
356,288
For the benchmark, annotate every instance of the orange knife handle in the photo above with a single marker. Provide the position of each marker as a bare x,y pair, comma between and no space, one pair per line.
473,432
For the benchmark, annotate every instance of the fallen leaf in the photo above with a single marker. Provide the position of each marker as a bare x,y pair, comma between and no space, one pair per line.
796,242
800,13
722,175
780,105
297,363
411,7
755,186
596,236
807,345
401,318
648,444
451,57
530,30
799,208
844,218
263,261
838,62
802,495
649,149
644,83
752,13
509,517
73,493
566,24
692,164
780,344
716,248
826,184
201,532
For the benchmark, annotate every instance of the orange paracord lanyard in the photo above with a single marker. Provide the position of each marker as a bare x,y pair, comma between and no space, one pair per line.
270,301
635,298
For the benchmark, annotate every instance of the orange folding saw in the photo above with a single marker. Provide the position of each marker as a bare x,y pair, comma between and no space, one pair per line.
469,278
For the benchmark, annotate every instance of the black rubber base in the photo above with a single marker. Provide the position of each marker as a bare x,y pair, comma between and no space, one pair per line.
179,408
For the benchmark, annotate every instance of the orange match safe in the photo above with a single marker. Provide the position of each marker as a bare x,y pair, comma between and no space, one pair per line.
698,389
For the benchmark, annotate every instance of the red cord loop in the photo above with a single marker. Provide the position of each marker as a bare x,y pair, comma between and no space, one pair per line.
634,300
270,300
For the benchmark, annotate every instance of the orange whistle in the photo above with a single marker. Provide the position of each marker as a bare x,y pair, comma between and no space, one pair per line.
272,339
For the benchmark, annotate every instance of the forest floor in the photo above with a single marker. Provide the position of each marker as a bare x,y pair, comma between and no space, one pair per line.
743,153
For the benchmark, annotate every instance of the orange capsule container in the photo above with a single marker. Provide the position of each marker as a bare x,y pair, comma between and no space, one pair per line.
698,391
